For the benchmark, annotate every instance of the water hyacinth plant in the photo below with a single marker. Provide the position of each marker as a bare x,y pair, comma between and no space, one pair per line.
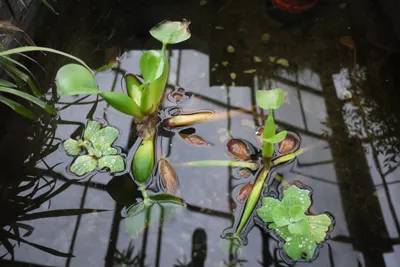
300,232
96,143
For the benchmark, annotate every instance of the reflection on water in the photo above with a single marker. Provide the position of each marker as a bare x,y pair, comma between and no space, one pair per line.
353,172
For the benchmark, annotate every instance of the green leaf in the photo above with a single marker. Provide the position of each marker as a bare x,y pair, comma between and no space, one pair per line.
276,138
283,231
151,65
74,79
267,208
269,132
110,151
303,196
162,198
281,216
30,98
5,83
133,87
299,228
318,226
143,161
270,99
146,103
296,213
122,103
104,138
135,222
300,247
114,162
83,165
72,147
91,128
20,109
171,32
24,49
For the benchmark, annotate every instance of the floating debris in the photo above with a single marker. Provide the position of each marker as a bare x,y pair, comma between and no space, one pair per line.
169,178
196,140
272,59
187,119
203,2
216,65
219,28
343,5
233,83
265,37
288,144
230,49
257,59
213,69
233,75
225,63
244,193
283,62
238,149
244,173
250,71
347,41
347,94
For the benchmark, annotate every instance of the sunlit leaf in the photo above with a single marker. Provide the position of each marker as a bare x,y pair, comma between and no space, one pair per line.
318,226
283,231
162,198
300,247
20,109
296,213
132,86
171,32
296,196
75,79
281,216
114,162
72,147
91,128
83,165
270,99
151,65
299,228
143,161
122,103
276,138
267,208
5,83
269,132
110,151
104,138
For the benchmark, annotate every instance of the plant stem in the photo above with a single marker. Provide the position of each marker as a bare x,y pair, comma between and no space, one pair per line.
144,193
228,163
252,200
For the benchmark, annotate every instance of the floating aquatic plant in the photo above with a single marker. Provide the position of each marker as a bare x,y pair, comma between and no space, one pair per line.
96,143
300,232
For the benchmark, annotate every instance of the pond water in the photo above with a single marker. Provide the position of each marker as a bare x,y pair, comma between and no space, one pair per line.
352,170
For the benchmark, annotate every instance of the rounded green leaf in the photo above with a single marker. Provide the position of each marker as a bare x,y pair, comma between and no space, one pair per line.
296,213
281,216
151,65
300,247
104,138
270,99
110,151
302,195
143,161
74,79
135,222
267,208
171,32
91,128
318,226
122,103
299,228
114,162
283,231
72,147
83,165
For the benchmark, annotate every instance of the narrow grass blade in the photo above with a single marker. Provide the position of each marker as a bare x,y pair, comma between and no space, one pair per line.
30,98
57,213
45,49
49,6
228,163
20,109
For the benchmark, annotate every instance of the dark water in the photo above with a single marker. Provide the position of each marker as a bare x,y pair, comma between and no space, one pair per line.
353,170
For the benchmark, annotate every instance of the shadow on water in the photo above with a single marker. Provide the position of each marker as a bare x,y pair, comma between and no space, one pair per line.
48,215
